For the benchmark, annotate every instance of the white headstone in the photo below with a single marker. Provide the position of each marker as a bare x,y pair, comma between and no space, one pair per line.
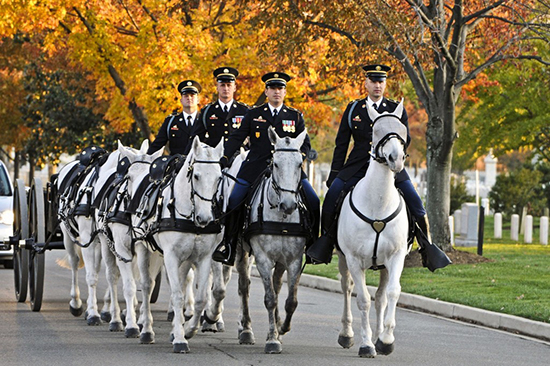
544,230
457,219
498,225
514,229
528,236
490,169
468,235
485,204
452,229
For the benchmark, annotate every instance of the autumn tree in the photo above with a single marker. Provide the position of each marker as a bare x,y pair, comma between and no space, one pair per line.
440,45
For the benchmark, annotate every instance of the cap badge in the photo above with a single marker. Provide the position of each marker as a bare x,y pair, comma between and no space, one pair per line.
225,70
189,83
378,68
276,75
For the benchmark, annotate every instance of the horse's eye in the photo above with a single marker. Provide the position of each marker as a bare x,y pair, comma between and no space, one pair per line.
276,165
196,176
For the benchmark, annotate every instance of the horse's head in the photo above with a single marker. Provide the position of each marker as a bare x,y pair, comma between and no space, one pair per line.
286,169
138,155
389,137
204,175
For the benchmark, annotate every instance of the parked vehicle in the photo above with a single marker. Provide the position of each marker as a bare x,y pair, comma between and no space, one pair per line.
6,216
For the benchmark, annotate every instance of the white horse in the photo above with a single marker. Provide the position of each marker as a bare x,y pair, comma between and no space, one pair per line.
372,233
80,231
123,249
192,197
219,271
278,248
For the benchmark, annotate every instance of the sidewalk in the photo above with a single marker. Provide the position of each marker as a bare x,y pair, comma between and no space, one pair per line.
464,313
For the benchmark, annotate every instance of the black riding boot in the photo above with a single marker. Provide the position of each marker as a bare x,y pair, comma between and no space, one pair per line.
432,257
321,250
227,249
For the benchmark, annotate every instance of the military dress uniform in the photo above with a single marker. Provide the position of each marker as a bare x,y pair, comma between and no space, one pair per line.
214,123
288,122
174,132
356,123
176,129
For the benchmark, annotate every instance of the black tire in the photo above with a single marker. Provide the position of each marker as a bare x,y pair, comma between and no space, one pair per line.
37,226
156,289
8,263
21,231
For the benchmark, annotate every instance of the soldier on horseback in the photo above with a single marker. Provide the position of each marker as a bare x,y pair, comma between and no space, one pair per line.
287,121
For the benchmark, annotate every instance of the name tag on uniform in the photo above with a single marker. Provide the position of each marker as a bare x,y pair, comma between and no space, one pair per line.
357,118
260,119
213,117
289,126
174,128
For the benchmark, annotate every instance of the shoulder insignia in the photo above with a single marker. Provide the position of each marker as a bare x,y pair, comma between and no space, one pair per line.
392,101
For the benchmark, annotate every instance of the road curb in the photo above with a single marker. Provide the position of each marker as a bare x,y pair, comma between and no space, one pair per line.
505,322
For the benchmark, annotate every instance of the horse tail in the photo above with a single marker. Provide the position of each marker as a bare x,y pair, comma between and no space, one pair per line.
64,262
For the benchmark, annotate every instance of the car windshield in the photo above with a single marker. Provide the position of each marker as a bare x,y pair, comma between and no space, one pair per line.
5,187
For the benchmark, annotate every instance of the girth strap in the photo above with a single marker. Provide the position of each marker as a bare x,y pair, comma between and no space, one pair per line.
377,226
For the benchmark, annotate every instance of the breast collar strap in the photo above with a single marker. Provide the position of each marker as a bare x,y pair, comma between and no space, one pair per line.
377,225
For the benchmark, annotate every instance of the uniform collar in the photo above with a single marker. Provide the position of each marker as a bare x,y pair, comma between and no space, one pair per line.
370,102
229,105
193,116
271,108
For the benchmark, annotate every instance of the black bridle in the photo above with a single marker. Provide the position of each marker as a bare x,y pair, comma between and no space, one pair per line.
375,152
276,186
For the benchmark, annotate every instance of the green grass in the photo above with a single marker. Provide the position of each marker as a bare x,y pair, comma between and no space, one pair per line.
516,282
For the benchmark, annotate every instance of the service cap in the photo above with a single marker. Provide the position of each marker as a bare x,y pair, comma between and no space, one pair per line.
276,79
377,72
189,87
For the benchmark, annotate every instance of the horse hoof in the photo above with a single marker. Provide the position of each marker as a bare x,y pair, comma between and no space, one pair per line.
246,337
147,338
191,334
131,333
345,342
105,316
181,348
170,316
94,320
220,326
116,327
273,348
206,327
383,349
76,311
368,352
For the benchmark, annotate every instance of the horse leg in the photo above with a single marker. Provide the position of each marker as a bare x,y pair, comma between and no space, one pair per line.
367,348
212,315
122,245
174,275
246,335
265,265
74,258
381,302
112,274
345,338
278,272
92,264
203,285
384,344
149,265
293,279
188,273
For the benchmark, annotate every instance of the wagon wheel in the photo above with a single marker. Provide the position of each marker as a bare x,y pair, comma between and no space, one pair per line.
156,289
37,226
20,231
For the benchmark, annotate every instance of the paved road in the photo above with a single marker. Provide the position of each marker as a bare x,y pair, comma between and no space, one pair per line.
54,337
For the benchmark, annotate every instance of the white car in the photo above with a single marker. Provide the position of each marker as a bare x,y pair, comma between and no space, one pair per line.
6,216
